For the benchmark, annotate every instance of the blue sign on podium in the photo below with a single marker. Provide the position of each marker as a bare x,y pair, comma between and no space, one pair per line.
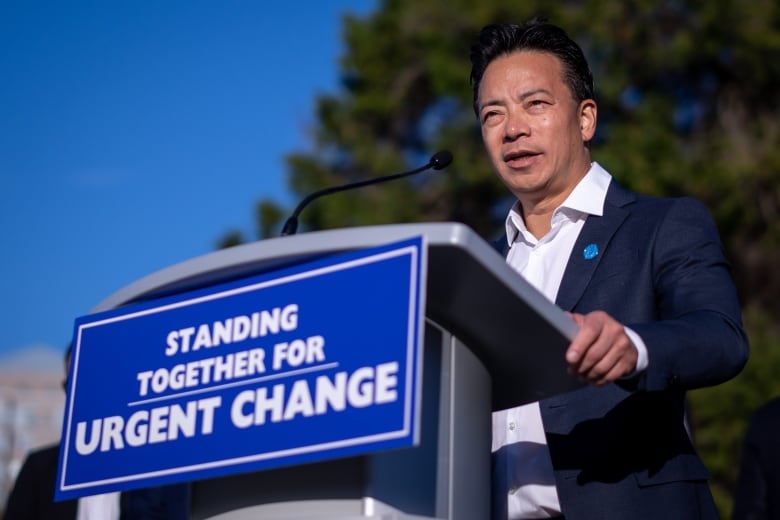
313,362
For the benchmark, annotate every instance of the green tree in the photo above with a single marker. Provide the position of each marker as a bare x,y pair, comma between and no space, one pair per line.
688,104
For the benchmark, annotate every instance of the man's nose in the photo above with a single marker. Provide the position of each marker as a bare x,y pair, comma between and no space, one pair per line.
516,126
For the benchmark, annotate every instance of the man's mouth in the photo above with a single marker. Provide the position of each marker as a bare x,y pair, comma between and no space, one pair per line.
520,158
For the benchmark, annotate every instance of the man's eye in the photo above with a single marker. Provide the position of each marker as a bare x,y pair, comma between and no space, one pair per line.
489,116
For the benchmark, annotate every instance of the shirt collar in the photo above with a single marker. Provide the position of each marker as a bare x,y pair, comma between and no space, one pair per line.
586,198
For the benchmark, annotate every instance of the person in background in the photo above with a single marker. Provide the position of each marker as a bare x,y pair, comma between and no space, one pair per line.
645,279
758,487
32,496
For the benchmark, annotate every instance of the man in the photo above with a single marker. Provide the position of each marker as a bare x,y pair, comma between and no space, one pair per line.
645,279
32,497
757,496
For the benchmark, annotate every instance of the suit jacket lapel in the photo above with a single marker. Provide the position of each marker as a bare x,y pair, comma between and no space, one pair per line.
597,233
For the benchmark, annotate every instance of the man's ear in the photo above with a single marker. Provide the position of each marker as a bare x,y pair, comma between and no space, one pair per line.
588,116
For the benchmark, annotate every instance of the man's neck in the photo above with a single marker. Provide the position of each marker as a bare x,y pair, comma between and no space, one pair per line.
537,211
538,224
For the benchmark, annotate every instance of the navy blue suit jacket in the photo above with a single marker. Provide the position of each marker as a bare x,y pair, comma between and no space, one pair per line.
622,451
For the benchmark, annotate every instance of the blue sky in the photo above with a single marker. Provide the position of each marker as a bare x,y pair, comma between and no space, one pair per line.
133,135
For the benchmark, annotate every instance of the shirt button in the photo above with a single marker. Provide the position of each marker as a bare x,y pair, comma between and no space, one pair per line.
511,427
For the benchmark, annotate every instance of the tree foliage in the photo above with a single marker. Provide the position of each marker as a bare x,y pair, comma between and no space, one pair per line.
688,104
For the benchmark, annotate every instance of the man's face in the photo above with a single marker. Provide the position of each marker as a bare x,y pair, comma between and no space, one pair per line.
533,130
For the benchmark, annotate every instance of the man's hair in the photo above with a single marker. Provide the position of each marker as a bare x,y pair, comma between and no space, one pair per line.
537,35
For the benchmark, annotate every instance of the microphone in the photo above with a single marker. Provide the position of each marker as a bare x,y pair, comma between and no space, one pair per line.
438,161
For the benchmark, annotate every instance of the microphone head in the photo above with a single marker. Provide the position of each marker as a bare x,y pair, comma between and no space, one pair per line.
441,159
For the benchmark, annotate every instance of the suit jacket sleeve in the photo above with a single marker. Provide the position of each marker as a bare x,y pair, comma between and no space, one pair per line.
697,339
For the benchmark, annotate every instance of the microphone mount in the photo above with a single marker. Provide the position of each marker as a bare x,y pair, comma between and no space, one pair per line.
438,161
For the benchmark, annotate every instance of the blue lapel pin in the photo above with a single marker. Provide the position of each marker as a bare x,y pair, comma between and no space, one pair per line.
590,252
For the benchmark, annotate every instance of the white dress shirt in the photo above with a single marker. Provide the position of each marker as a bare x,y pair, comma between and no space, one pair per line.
98,507
524,483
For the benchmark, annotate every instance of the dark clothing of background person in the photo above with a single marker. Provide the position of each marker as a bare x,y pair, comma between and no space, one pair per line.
758,487
32,497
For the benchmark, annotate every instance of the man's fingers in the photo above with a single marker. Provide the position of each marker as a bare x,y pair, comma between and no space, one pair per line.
601,352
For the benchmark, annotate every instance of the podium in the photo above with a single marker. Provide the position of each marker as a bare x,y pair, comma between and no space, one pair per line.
491,341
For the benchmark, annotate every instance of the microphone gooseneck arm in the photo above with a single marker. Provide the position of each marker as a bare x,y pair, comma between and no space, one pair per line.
438,161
